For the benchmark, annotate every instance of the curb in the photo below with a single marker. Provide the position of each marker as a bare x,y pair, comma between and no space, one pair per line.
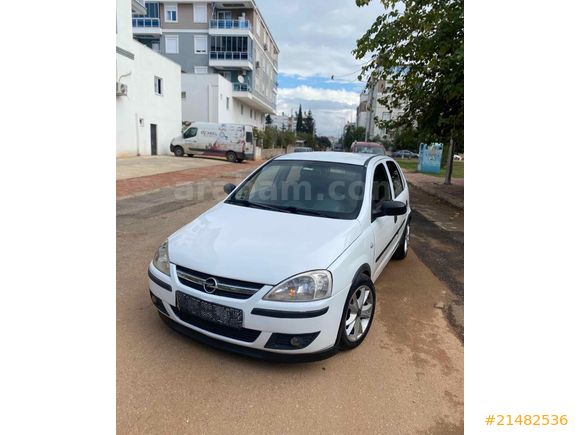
450,201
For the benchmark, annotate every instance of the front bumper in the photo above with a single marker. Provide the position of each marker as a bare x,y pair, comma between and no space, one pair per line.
268,326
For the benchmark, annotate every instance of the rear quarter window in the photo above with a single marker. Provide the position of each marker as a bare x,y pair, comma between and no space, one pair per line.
396,178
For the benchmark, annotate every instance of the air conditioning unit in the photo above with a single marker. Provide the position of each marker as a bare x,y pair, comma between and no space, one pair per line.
121,89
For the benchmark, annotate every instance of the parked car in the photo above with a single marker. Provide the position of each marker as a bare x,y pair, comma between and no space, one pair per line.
457,157
280,271
368,148
405,154
232,141
302,149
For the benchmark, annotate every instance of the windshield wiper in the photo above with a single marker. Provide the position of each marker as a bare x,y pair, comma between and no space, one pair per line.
251,204
285,209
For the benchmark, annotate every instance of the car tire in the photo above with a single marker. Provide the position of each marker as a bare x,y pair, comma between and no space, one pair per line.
231,157
178,151
354,326
403,247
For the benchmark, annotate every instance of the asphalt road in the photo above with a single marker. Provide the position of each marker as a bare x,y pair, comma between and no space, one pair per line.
406,378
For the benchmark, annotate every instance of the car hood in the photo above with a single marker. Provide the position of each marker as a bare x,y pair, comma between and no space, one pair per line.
257,245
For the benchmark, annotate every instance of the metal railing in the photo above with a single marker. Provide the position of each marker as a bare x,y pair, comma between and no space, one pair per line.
146,22
230,24
242,87
230,55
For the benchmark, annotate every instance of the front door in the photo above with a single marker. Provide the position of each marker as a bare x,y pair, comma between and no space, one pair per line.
153,139
383,227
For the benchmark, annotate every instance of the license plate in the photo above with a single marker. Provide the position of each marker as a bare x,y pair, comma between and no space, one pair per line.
209,311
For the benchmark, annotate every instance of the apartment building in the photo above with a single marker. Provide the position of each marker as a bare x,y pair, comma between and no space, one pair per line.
227,38
284,122
370,106
148,97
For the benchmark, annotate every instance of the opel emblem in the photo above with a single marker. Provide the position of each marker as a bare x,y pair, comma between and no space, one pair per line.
210,285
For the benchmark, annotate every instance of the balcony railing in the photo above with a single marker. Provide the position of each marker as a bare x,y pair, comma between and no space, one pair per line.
230,24
230,55
242,87
145,22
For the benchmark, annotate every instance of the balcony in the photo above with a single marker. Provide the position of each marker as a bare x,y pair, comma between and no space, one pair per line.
138,7
243,92
238,27
230,24
241,87
146,26
231,59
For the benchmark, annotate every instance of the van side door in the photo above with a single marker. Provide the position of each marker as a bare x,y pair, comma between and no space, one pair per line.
190,138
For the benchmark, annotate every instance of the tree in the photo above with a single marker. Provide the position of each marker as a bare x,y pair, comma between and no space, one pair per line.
268,119
300,121
309,123
323,142
351,134
416,47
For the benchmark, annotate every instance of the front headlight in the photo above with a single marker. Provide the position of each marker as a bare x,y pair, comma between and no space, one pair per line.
307,286
161,259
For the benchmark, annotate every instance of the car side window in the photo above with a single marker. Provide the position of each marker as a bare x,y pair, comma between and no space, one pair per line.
191,132
381,186
398,185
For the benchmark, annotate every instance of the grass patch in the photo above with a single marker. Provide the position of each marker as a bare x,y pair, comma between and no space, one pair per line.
411,166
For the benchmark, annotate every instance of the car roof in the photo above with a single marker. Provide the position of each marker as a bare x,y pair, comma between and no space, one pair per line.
331,156
368,144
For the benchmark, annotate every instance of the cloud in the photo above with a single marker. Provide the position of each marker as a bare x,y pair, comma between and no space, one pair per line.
331,108
308,93
316,39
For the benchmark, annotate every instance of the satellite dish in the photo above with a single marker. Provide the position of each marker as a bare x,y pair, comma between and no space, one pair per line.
241,79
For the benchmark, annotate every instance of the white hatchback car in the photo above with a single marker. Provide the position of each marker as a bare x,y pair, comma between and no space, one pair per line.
284,267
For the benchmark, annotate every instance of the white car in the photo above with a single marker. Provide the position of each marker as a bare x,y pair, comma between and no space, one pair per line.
284,267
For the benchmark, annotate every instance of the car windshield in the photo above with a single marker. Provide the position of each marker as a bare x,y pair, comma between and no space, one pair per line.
369,150
326,189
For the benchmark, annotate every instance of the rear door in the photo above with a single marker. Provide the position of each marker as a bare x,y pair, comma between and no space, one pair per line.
400,192
383,227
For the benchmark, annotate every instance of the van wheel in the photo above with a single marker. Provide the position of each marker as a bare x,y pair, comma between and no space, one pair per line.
190,155
231,157
358,313
178,151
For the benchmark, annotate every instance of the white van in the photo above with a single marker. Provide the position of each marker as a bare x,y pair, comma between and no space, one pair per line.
234,141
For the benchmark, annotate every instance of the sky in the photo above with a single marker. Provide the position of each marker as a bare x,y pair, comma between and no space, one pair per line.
316,39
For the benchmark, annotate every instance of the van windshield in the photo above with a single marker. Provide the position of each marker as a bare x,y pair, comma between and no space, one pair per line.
326,189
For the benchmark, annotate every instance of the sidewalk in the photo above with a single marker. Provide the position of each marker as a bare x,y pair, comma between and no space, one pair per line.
451,194
133,186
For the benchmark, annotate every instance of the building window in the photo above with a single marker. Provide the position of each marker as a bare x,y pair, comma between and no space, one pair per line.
183,95
158,83
251,113
200,44
200,13
242,108
171,44
227,103
200,69
170,13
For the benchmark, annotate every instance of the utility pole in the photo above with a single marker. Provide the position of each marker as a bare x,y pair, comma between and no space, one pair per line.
370,111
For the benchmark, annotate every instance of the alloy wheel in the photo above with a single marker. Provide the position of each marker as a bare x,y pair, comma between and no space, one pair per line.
359,312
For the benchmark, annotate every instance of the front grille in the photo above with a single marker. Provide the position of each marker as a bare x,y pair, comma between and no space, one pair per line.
242,334
230,288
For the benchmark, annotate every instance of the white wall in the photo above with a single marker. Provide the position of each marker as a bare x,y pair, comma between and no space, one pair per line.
142,107
206,97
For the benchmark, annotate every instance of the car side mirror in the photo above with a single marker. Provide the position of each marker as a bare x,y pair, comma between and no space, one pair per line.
229,188
391,208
